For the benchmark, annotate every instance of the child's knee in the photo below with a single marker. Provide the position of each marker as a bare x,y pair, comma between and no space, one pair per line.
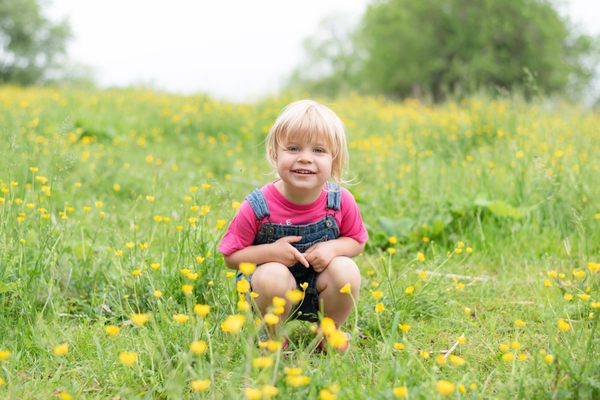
272,278
342,270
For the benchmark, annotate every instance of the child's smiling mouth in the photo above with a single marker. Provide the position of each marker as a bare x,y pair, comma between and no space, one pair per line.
303,172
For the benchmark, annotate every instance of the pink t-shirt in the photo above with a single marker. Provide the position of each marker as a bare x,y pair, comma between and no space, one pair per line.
243,228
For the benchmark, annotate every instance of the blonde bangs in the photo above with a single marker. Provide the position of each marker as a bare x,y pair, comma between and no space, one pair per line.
306,121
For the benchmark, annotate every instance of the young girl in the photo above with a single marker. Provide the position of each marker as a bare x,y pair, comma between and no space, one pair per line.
301,229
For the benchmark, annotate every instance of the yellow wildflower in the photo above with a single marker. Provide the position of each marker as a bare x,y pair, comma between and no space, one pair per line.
140,319
520,323
4,355
180,318
327,325
404,327
201,310
233,323
262,362
200,385
424,354
379,308
346,289
243,286
247,268
549,358
187,289
112,330
271,319
295,296
563,325
252,393
456,360
297,381
400,392
444,387
377,294
128,358
508,357
61,349
198,347
398,346
420,257
409,290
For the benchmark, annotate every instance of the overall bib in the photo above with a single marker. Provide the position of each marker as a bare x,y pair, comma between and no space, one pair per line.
315,232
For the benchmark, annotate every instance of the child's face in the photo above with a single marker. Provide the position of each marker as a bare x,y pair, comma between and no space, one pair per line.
304,167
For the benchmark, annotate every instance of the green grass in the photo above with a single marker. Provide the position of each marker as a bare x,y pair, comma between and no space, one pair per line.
515,182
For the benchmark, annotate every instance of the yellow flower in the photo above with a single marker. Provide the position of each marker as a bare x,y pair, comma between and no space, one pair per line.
252,393
504,347
422,275
157,294
409,290
247,268
112,330
458,250
379,308
297,381
461,339
520,323
578,274
440,360
295,296
128,358
404,327
346,289
456,360
337,339
304,285
262,362
460,244
269,391
198,347
400,392
278,301
552,274
563,325
201,310
592,266
187,289
136,272
243,305
220,224
398,346
462,389
508,357
4,355
515,345
549,358
424,354
547,283
445,388
140,319
584,296
326,394
235,205
64,396
467,311
595,304
420,257
391,250
61,349
377,294
289,371
271,319
243,286
393,240
200,259
233,323
200,385
180,318
328,326
522,356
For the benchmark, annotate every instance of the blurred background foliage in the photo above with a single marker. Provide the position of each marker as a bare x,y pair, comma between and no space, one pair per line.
432,49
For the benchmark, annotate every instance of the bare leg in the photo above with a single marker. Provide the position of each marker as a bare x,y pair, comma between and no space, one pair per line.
340,271
270,280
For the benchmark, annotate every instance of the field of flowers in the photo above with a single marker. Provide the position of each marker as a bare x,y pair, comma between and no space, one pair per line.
481,278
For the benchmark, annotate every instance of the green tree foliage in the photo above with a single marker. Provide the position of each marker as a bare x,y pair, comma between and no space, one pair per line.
30,44
427,47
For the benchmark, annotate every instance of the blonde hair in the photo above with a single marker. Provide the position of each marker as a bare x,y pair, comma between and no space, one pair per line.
310,120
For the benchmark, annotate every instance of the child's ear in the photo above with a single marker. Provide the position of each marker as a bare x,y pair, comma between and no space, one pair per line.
272,155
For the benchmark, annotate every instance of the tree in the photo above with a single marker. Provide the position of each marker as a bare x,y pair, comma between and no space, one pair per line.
31,46
408,47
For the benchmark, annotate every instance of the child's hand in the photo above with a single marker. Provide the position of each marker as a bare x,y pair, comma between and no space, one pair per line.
287,254
319,255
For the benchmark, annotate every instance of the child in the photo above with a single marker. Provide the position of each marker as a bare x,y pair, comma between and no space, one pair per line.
301,228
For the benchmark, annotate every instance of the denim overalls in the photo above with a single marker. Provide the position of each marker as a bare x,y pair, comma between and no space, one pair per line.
315,232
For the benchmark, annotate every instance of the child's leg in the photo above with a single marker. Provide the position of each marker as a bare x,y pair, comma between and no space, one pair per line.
270,280
340,271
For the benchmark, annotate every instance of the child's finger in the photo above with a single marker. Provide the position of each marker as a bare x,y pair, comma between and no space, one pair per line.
291,239
300,257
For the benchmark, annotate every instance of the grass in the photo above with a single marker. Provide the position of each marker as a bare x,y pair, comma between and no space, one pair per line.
106,197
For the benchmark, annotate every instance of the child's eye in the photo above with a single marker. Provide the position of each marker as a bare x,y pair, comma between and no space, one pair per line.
293,148
319,150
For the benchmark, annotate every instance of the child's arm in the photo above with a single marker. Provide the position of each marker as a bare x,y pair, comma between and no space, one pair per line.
321,254
280,251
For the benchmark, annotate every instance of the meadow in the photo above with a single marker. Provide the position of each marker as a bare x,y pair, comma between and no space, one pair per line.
480,279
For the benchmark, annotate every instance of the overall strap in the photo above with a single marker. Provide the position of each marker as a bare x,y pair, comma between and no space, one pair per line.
334,196
257,201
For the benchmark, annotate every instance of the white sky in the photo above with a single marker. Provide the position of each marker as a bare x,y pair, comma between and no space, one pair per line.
231,49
